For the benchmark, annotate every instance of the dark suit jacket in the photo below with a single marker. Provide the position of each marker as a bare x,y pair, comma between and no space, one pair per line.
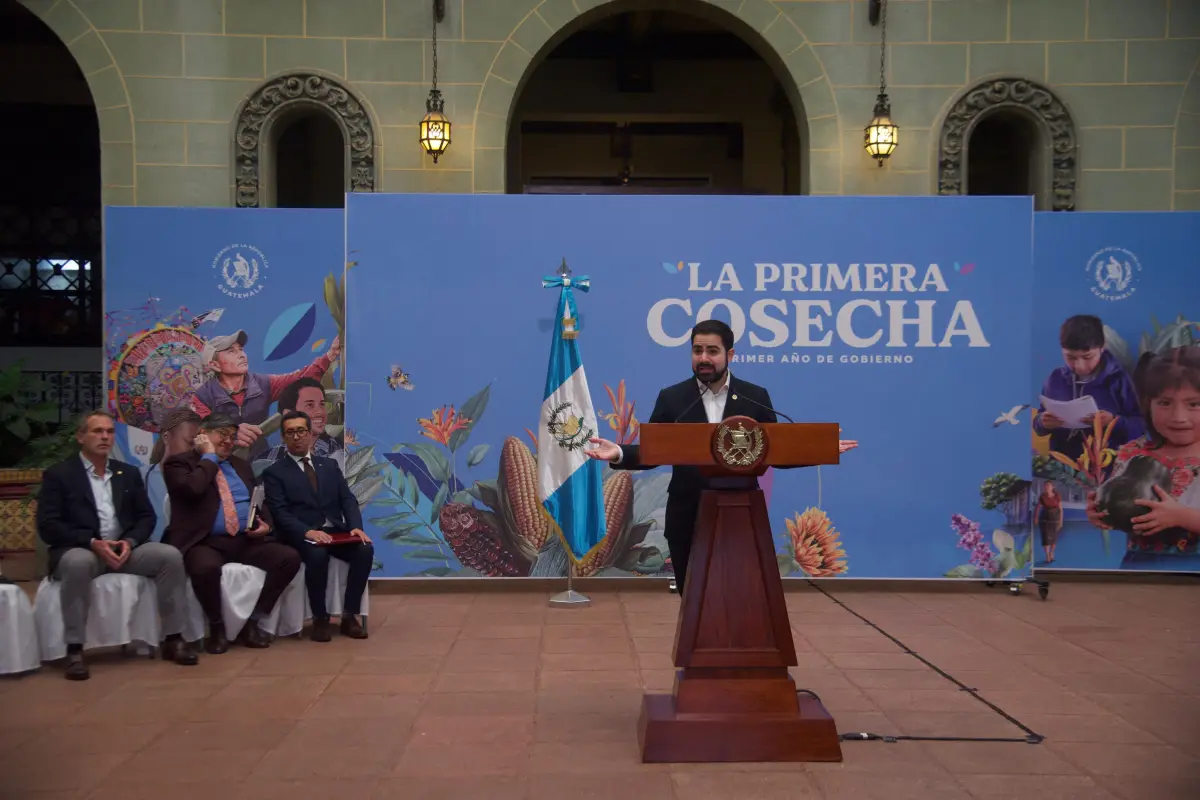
66,507
192,486
683,399
298,510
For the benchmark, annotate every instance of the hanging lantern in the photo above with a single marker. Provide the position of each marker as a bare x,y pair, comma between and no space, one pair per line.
882,135
434,127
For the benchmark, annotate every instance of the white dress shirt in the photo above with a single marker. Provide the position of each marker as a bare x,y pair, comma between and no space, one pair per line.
714,405
102,491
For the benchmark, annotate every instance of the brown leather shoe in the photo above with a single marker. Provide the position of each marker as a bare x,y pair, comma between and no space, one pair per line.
181,652
217,642
77,668
352,628
320,631
253,636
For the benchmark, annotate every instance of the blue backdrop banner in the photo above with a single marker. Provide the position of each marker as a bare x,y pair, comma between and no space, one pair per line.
906,320
1113,291
202,303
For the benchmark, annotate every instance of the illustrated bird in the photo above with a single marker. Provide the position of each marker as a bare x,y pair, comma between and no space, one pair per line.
1010,416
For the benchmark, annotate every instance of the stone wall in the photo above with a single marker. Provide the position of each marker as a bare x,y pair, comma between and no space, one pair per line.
169,78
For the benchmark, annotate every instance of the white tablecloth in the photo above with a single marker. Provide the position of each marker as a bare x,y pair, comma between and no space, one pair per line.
240,587
18,634
124,609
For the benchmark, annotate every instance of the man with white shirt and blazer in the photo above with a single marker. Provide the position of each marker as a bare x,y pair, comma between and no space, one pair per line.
710,395
95,516
309,500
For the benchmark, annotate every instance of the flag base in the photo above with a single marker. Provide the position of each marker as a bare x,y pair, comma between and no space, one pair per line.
570,599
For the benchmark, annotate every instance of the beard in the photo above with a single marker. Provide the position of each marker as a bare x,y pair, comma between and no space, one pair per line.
711,377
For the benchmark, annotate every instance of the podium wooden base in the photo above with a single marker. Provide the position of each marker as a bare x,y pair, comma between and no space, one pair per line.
743,720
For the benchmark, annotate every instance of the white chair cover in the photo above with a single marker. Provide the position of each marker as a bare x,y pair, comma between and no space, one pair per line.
335,591
18,636
241,585
124,609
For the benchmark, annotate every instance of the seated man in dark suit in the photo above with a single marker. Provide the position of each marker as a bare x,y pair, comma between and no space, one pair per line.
95,516
210,490
310,499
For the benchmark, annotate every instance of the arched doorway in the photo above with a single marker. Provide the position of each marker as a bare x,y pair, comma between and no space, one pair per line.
678,97
1009,136
50,198
308,166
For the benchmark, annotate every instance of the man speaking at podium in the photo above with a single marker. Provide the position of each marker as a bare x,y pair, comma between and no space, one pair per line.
710,395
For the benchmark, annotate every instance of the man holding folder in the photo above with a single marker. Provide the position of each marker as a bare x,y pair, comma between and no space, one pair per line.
317,514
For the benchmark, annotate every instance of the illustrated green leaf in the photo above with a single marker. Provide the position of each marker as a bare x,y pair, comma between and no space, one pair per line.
405,528
965,571
476,456
439,500
413,540
412,491
426,555
464,497
436,572
785,563
392,519
472,410
433,459
359,459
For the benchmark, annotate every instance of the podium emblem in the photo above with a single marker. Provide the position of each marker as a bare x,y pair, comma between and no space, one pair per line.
737,446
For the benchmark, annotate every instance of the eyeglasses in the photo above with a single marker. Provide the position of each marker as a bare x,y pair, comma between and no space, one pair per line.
295,433
222,433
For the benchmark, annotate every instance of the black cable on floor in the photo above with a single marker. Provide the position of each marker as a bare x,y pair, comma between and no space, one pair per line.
1030,738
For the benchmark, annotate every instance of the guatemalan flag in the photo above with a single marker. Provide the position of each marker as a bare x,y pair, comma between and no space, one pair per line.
570,485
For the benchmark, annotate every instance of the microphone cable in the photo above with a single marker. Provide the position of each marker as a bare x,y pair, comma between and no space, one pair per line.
1031,737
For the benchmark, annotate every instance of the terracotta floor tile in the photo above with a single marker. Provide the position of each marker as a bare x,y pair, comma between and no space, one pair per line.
883,786
396,706
522,681
437,760
549,680
492,662
848,661
1103,728
480,703
943,700
589,757
329,760
981,758
490,787
897,758
594,727
1142,787
1128,759
599,700
311,788
982,723
451,730
397,665
46,772
730,785
923,678
653,644
1019,787
658,680
502,632
481,647
306,663
589,661
399,683
587,645
251,734
200,790
166,767
1043,702
69,741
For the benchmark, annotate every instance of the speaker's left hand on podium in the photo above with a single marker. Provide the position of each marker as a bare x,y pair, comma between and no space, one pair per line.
846,444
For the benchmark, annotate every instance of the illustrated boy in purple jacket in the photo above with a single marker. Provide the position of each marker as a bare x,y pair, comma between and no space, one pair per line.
1090,370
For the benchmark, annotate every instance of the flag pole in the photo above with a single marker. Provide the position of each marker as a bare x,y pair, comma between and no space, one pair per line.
570,598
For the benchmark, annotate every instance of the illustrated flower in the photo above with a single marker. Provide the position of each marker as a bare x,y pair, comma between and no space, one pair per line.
971,538
444,422
622,419
817,544
350,437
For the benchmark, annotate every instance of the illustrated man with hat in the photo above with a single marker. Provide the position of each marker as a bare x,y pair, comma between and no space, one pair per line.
246,396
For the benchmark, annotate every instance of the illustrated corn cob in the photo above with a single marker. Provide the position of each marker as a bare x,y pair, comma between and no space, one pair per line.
618,511
476,544
518,485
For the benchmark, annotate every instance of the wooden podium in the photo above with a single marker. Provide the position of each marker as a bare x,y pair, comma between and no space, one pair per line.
734,699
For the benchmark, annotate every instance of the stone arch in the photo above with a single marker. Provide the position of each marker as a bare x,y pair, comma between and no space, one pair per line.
275,100
109,93
1024,96
1185,195
772,33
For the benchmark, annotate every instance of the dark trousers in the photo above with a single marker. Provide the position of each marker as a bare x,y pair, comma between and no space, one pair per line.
680,527
204,560
359,555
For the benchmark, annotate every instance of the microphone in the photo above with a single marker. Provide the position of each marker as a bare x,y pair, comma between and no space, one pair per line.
693,403
762,405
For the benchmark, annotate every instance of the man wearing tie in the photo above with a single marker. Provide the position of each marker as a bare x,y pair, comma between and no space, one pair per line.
310,499
710,395
210,490
94,515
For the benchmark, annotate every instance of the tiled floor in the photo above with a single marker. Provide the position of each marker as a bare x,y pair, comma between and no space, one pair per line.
497,696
